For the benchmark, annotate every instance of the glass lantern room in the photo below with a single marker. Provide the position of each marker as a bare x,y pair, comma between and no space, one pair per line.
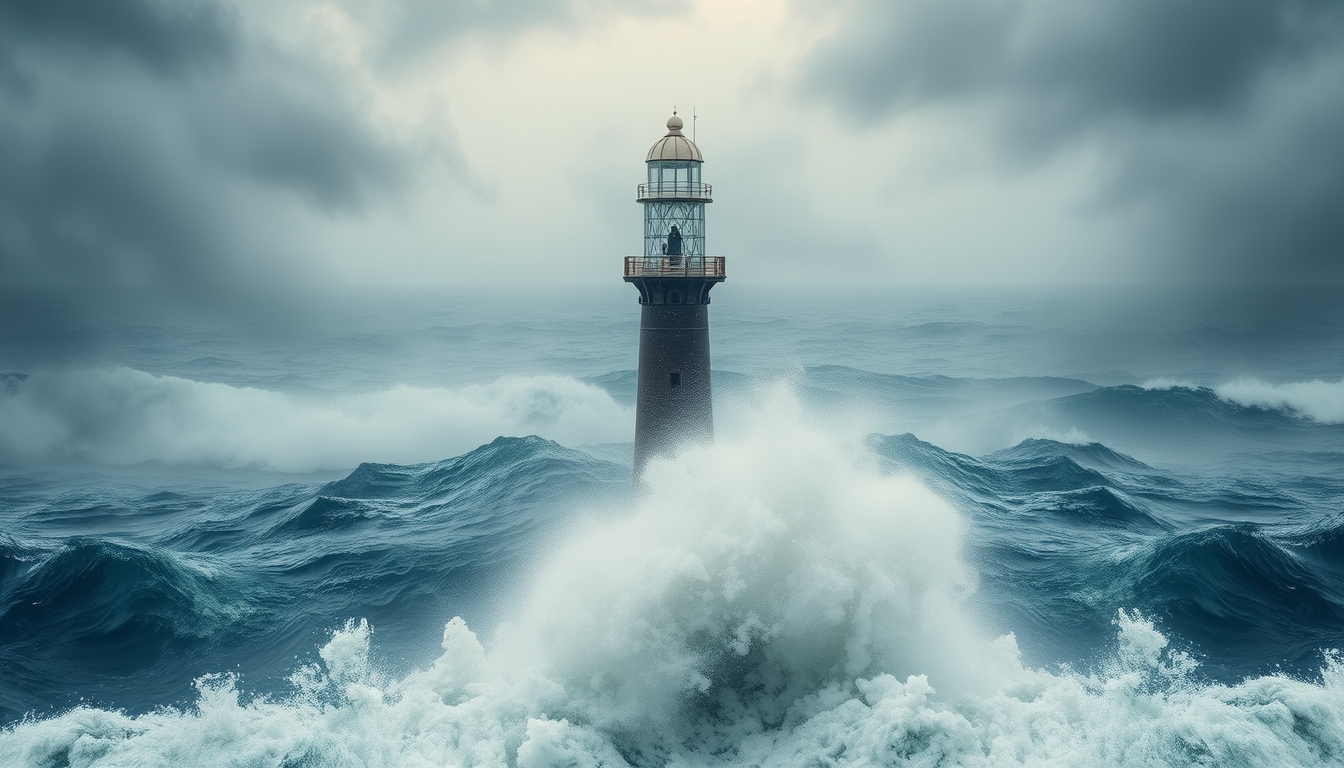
674,196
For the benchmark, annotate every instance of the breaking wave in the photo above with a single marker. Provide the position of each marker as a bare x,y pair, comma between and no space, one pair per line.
1141,710
1318,400
127,416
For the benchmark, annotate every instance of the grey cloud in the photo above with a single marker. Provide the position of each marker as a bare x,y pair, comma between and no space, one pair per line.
418,27
1157,59
93,197
334,163
1260,201
287,125
144,141
422,25
14,83
1149,58
162,35
1194,102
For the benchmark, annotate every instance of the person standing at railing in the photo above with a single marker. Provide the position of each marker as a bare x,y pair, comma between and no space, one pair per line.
673,247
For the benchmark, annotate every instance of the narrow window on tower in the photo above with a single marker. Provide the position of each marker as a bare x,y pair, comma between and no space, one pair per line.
674,378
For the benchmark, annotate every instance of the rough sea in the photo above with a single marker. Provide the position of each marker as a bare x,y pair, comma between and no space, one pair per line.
938,527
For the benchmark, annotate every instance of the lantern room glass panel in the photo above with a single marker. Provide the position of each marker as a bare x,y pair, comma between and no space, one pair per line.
674,176
687,217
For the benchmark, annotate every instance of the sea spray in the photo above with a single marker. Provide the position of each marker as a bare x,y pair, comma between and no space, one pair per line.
756,572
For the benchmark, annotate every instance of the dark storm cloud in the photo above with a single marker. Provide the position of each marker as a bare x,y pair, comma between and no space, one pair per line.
91,197
291,126
164,36
1222,116
146,142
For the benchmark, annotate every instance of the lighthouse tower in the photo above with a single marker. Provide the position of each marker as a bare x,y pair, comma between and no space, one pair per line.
673,277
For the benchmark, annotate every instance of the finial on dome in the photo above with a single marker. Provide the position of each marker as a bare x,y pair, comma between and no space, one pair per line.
674,125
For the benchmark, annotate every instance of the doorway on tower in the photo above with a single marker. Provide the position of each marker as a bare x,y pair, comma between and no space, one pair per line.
674,379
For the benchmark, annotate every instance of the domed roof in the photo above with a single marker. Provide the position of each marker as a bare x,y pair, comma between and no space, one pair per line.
674,146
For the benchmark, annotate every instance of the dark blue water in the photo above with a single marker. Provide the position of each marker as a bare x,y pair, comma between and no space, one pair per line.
1145,492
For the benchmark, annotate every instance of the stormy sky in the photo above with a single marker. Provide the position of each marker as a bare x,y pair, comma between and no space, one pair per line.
410,142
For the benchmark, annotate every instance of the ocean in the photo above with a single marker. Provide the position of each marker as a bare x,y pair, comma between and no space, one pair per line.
938,527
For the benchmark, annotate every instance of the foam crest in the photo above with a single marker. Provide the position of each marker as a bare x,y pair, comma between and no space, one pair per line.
1164,382
126,416
1143,710
1318,400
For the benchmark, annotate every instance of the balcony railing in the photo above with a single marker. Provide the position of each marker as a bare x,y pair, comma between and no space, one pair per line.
675,190
674,266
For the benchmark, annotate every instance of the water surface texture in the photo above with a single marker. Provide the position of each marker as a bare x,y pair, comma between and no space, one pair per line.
938,527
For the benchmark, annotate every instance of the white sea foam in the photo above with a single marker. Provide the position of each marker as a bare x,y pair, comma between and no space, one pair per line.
756,573
126,416
1163,382
1318,400
772,602
1321,401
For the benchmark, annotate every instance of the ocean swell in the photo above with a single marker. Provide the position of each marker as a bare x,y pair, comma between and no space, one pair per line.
127,416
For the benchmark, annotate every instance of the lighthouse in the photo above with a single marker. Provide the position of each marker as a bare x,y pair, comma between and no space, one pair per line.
673,277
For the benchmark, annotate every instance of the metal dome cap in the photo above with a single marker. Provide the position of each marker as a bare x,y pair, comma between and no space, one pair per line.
674,146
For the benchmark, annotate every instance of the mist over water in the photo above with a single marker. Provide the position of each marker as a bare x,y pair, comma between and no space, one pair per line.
978,529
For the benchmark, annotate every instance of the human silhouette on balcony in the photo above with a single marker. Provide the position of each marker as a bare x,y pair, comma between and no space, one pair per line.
673,245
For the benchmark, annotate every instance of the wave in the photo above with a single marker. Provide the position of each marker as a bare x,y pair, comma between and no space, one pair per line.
127,416
1141,709
866,397
1238,587
1093,455
14,558
250,579
531,476
1066,533
1317,400
941,390
1032,466
773,600
1321,401
1173,408
1167,424
108,611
